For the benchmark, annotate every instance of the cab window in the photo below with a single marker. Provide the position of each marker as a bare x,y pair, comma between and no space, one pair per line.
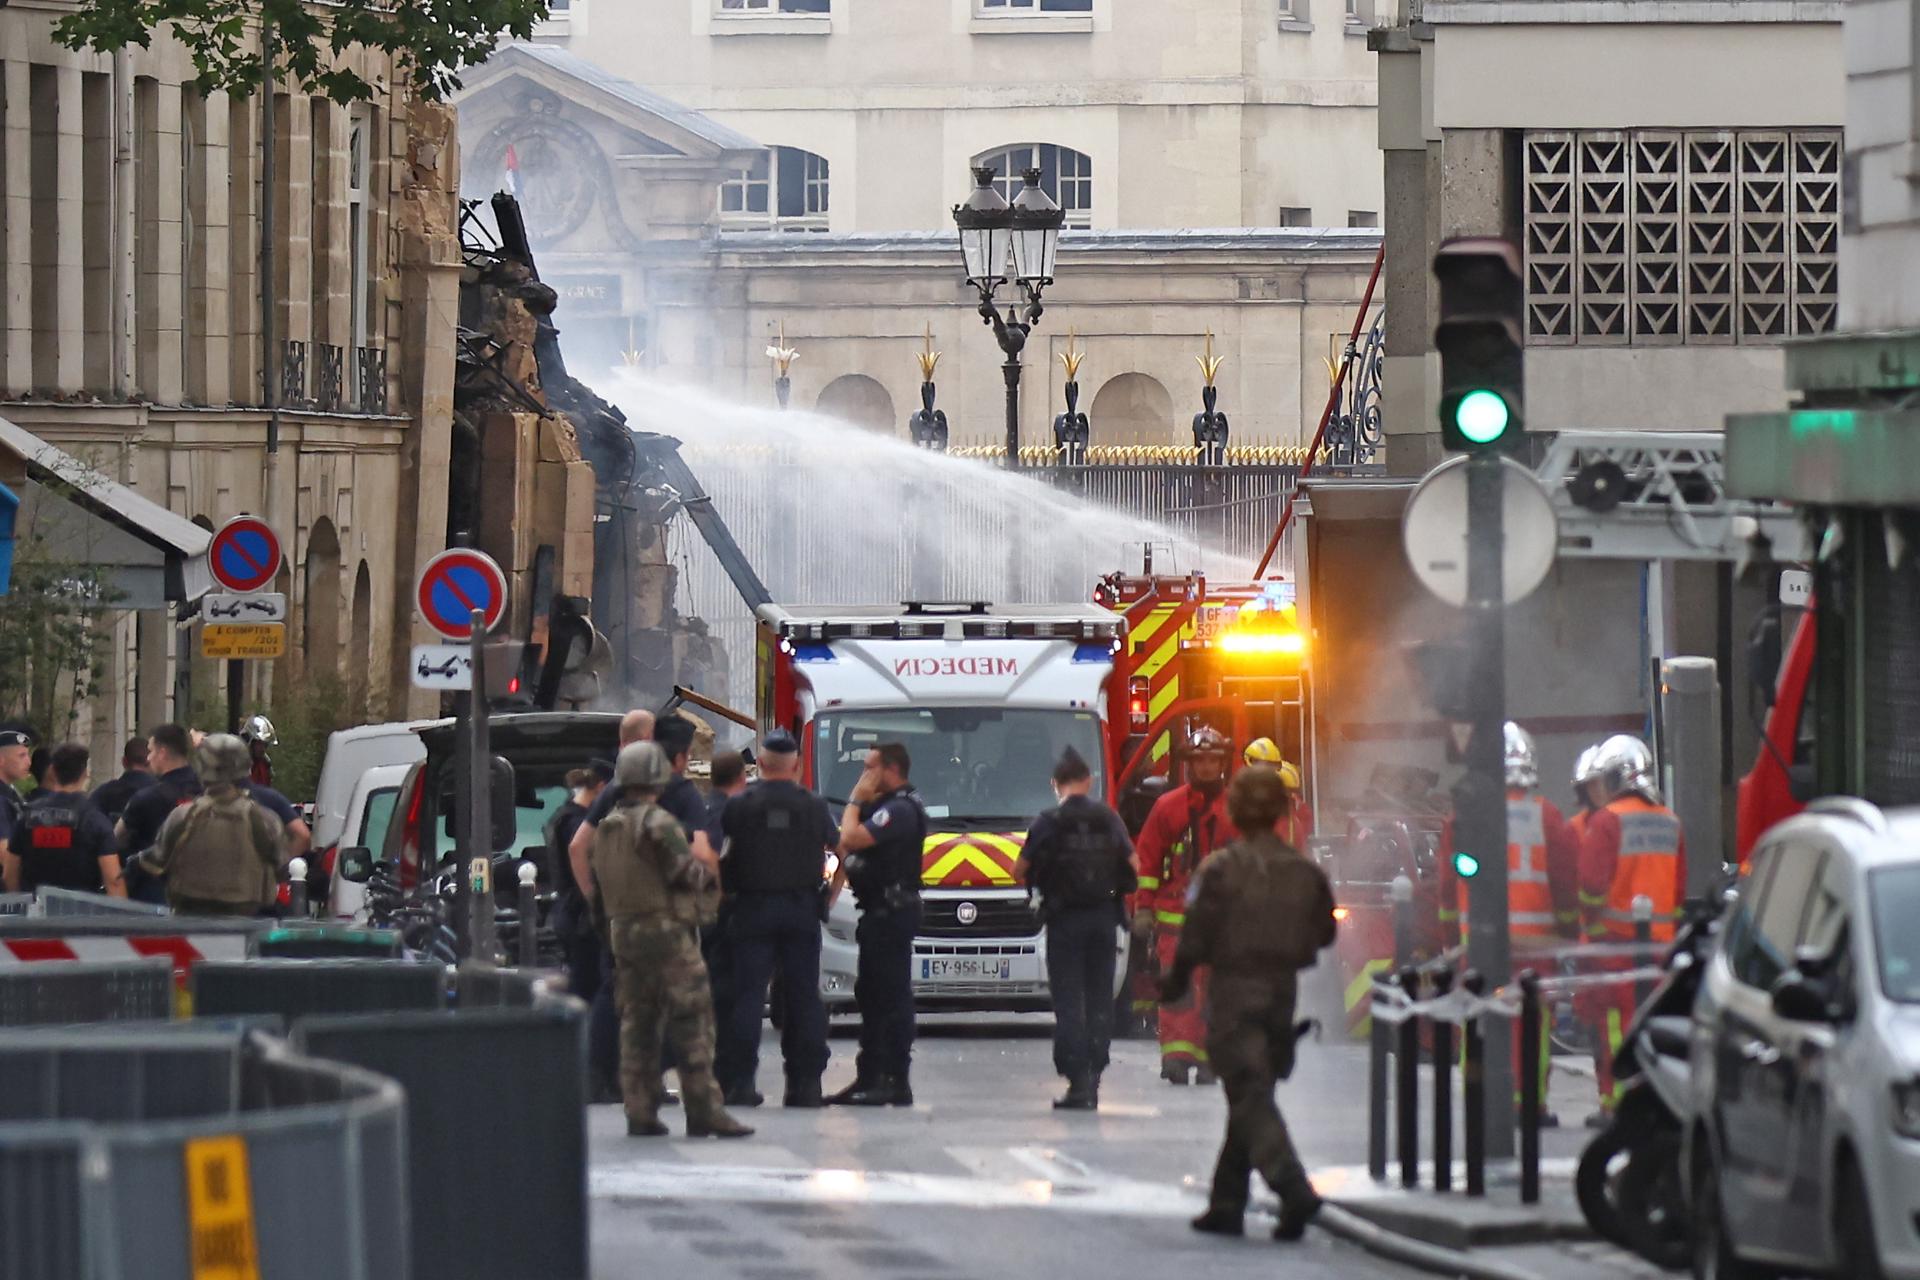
1740,932
1777,925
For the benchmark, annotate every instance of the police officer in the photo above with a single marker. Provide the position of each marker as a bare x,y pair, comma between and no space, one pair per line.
221,854
1079,860
170,752
649,880
883,832
16,764
1261,912
62,840
110,798
777,835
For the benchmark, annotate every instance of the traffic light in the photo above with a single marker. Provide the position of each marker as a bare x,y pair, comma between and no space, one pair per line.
1465,865
1481,338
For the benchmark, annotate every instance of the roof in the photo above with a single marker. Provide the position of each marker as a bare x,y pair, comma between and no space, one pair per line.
577,68
936,611
175,546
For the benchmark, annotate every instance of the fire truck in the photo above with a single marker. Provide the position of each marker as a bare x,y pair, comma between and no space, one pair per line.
985,698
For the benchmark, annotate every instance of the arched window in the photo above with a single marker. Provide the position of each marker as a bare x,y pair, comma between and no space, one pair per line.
1133,408
860,400
1065,174
785,189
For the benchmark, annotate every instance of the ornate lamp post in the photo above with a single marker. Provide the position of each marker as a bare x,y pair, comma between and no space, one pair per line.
1071,430
1005,243
1210,425
929,426
783,357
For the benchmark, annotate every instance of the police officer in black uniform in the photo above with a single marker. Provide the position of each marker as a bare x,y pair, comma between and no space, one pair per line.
882,834
63,841
170,753
1080,861
16,764
777,835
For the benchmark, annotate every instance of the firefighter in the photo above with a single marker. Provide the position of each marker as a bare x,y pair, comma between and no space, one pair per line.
1631,847
1298,824
260,738
1187,823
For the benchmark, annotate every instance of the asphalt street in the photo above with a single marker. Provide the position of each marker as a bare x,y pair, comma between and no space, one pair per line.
981,1178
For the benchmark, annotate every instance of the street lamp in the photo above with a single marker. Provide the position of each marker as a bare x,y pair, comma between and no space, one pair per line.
1005,243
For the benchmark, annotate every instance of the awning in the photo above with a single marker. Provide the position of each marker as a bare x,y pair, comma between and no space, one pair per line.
149,555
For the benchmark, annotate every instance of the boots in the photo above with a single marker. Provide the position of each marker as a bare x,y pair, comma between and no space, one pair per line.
1297,1209
1219,1222
845,1097
887,1091
717,1124
744,1095
1082,1095
1176,1071
803,1094
649,1127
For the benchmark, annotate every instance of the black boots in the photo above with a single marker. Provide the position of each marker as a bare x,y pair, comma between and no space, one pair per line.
718,1124
1174,1071
803,1094
1083,1094
1219,1222
1296,1211
887,1091
744,1095
645,1128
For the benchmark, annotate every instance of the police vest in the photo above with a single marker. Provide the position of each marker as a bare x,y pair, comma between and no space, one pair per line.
51,850
777,845
1648,867
894,860
1084,871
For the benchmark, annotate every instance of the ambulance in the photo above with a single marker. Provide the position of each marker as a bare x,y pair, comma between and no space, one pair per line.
985,698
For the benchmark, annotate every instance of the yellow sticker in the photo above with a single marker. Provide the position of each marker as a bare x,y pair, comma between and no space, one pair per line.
220,1210
243,640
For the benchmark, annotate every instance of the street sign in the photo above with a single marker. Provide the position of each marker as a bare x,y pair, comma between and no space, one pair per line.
243,640
244,555
454,584
1434,532
442,666
263,606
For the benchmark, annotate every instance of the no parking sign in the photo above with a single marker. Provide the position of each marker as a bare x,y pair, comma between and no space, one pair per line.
454,584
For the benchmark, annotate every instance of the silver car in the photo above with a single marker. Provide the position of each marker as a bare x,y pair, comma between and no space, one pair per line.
1804,1148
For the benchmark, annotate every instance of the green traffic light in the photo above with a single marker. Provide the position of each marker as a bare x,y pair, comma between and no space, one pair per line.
1466,866
1482,416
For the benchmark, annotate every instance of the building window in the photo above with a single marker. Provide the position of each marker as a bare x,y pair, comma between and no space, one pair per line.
1362,218
1295,215
997,8
1293,15
786,189
776,6
1662,237
1065,174
359,180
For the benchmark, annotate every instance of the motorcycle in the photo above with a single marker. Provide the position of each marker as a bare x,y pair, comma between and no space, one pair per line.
1628,1182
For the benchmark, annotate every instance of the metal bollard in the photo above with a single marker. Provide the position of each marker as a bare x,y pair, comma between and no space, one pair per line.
1400,894
1642,934
1442,1089
1530,1068
297,889
529,917
1473,1079
1377,1047
1406,1093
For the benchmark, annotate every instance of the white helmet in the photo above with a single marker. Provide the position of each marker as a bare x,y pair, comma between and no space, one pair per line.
1621,764
259,729
1519,759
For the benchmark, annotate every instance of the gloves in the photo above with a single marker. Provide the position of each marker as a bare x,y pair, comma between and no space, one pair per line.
1142,928
1174,986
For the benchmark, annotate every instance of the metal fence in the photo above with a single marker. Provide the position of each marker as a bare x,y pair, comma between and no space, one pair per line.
85,991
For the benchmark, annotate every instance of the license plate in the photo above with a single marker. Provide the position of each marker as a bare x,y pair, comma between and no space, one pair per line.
966,969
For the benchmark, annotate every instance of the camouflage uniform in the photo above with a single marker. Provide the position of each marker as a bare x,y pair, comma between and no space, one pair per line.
1260,913
640,861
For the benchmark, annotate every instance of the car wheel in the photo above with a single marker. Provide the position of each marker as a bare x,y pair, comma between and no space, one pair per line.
1853,1224
1713,1255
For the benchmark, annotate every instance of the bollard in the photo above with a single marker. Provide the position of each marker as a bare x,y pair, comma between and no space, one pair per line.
1473,1079
1643,935
1406,1093
1377,1046
1530,1071
297,889
1442,1089
1401,895
529,917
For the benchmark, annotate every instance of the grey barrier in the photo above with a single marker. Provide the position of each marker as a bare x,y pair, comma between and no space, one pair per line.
314,940
86,991
74,902
142,1156
296,988
496,1124
15,904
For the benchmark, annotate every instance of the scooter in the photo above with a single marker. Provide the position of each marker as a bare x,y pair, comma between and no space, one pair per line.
1628,1182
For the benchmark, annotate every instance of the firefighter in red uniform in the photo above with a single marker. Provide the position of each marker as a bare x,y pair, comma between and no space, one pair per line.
1187,824
1298,824
1631,847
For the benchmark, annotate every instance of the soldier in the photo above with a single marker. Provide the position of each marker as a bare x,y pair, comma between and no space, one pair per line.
221,853
650,884
1260,913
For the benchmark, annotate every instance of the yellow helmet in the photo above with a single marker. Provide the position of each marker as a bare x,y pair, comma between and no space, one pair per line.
1266,751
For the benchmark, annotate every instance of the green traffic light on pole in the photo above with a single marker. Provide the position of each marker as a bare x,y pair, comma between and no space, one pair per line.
1482,416
1466,866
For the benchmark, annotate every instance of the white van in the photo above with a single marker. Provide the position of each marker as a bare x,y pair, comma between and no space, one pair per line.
350,754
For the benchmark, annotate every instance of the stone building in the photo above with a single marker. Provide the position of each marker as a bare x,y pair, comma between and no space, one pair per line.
134,231
1673,172
658,156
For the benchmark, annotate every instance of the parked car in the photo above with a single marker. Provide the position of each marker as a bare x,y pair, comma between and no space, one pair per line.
1803,1152
350,753
369,813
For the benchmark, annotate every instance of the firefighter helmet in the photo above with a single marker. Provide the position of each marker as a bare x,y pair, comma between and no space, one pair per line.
259,729
1266,751
1621,764
1208,741
1583,771
1521,762
1258,798
642,765
221,759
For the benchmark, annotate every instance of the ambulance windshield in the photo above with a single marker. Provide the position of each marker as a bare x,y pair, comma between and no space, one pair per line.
977,764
